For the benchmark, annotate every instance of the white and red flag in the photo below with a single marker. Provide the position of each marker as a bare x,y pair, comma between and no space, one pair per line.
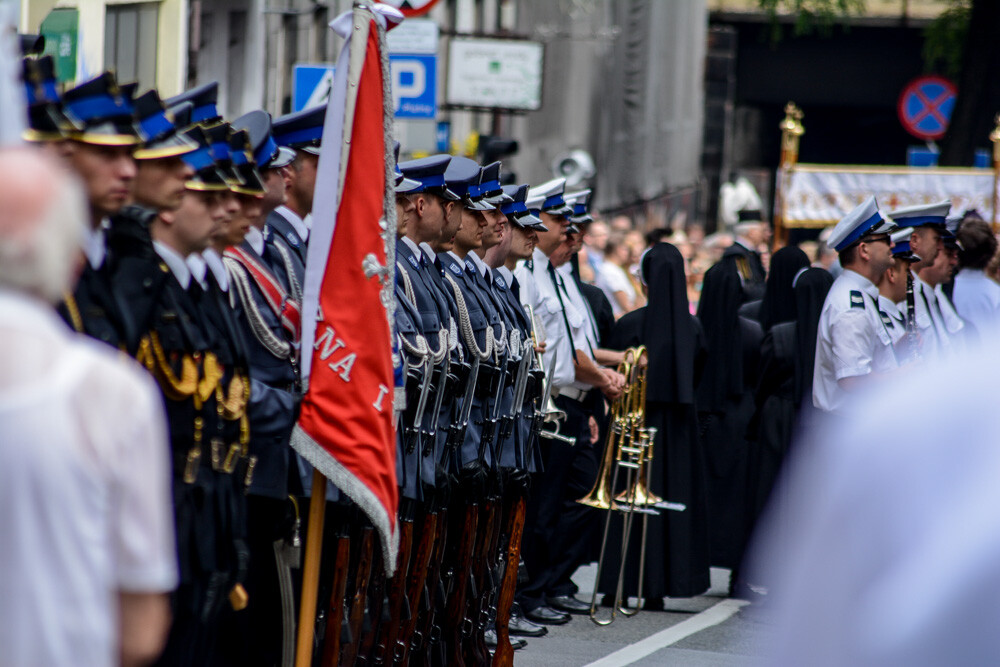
346,425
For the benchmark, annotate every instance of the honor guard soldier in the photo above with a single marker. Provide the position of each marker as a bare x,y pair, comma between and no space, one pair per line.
852,342
100,152
269,318
177,348
927,225
301,132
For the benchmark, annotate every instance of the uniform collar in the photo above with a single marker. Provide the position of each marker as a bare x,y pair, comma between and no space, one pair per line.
94,244
480,264
429,251
539,260
174,262
297,223
218,269
856,280
507,275
198,267
412,245
255,239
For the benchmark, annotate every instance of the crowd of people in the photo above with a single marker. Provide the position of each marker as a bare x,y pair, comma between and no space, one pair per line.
163,523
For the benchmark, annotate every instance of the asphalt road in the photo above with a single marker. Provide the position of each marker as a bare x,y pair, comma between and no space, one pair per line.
706,631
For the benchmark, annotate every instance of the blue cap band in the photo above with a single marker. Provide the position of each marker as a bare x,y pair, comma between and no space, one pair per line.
199,159
554,201
220,150
487,189
514,208
432,181
919,220
239,157
98,106
264,154
204,112
154,126
901,247
580,209
49,88
860,231
302,136
29,93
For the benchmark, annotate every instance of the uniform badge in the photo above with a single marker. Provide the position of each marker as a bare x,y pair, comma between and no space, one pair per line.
500,282
469,265
456,269
886,320
413,261
292,241
857,299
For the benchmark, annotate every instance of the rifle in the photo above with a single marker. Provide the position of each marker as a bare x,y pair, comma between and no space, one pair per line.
480,609
911,319
497,375
418,385
427,638
455,623
376,601
334,622
513,527
416,581
397,596
456,432
356,613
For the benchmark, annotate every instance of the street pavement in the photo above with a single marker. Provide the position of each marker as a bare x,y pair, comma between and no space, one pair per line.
706,631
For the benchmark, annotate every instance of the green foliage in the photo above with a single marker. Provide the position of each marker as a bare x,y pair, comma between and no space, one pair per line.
809,15
944,39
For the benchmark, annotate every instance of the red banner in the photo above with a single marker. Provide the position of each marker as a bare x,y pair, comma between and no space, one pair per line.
346,425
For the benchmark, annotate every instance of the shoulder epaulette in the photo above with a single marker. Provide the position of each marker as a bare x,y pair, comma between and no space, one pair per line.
886,320
857,299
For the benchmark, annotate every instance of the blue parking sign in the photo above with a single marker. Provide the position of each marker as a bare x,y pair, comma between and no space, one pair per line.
311,85
414,85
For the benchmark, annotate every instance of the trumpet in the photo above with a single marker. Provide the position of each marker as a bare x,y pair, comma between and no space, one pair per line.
550,412
628,448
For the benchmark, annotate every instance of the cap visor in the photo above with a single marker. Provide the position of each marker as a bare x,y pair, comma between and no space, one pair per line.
312,150
479,206
406,185
173,146
284,157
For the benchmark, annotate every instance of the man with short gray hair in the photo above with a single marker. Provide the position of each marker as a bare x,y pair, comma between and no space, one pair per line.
88,550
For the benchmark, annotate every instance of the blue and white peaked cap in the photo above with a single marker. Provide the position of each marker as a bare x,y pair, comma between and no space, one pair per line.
901,245
302,130
580,201
548,198
489,189
461,176
266,151
863,221
924,214
429,172
403,184
517,213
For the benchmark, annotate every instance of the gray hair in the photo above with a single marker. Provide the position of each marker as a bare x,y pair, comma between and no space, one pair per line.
42,223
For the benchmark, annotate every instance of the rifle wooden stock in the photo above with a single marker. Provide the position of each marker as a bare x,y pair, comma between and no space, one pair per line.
513,527
416,580
335,618
358,598
376,595
388,632
428,633
477,610
455,620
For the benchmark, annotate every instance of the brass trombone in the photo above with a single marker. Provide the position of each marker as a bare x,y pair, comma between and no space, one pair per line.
628,447
551,414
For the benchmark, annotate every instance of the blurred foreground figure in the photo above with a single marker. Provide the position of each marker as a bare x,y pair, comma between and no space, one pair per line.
889,553
87,553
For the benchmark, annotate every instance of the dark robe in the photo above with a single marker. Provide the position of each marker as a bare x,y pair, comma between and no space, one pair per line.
725,407
677,547
785,387
750,268
778,304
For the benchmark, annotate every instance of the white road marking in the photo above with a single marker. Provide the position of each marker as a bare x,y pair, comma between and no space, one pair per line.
712,616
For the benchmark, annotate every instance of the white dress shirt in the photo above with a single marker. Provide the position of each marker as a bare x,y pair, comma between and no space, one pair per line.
95,245
85,488
199,268
217,267
977,300
539,292
298,224
255,238
175,262
851,340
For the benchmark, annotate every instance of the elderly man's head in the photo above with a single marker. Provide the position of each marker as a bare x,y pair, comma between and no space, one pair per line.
42,223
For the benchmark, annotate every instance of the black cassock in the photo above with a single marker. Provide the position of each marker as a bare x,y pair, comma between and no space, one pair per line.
677,549
725,407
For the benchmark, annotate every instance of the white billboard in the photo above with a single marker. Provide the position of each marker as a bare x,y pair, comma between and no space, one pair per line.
497,73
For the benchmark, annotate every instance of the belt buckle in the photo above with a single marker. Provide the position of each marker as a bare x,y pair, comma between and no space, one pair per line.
191,465
232,456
